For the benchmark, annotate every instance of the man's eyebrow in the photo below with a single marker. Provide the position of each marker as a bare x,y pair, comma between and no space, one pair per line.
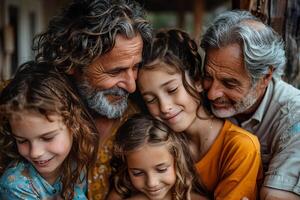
233,80
118,68
42,135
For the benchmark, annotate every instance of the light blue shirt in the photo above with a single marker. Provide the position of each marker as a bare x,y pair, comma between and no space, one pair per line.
22,181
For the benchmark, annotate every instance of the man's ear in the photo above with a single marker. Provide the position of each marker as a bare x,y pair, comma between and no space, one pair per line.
268,77
198,86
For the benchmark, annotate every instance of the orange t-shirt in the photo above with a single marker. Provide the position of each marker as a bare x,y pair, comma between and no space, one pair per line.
232,166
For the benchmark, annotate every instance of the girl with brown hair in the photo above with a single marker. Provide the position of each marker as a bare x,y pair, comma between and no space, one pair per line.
47,138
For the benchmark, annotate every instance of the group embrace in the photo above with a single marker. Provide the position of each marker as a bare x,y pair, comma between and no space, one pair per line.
110,109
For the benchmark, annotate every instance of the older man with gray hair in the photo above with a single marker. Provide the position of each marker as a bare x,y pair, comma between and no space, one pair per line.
243,64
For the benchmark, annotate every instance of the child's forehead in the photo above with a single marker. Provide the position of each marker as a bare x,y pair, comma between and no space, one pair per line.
161,65
162,146
24,113
152,149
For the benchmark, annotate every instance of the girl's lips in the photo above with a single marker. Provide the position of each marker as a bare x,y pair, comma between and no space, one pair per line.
42,163
155,191
171,118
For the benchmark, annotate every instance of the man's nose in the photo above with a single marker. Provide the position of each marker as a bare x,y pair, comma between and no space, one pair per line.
214,90
128,83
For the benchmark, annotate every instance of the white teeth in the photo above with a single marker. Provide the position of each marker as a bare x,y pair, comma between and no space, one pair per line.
42,162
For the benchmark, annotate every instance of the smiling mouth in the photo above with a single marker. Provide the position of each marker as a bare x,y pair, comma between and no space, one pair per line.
154,192
220,105
42,163
115,98
172,116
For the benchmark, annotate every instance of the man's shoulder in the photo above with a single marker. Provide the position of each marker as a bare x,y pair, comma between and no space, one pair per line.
285,93
286,100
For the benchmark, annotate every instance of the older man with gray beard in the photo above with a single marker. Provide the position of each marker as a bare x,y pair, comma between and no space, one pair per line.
243,63
100,44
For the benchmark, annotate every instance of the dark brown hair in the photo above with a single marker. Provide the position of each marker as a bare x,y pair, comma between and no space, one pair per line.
175,50
39,88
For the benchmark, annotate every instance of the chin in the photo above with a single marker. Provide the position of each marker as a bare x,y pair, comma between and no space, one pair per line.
223,113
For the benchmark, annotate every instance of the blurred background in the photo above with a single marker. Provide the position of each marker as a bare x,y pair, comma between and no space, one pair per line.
20,20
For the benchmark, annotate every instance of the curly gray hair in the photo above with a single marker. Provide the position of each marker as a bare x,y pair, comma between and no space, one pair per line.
87,29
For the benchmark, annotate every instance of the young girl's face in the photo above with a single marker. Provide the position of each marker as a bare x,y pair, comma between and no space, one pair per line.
43,143
166,98
151,170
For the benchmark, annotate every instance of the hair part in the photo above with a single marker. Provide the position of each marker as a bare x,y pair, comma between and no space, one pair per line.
174,49
142,130
87,29
262,47
39,88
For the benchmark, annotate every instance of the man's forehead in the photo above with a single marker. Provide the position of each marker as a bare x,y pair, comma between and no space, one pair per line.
125,47
226,61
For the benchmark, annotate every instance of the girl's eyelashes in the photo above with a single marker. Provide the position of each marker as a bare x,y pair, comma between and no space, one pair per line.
47,139
137,172
162,169
173,90
19,141
149,100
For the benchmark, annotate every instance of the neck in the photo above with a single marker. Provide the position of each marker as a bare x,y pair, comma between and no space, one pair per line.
203,133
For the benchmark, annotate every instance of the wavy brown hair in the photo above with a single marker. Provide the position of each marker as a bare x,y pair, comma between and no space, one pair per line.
86,29
175,51
39,88
143,129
